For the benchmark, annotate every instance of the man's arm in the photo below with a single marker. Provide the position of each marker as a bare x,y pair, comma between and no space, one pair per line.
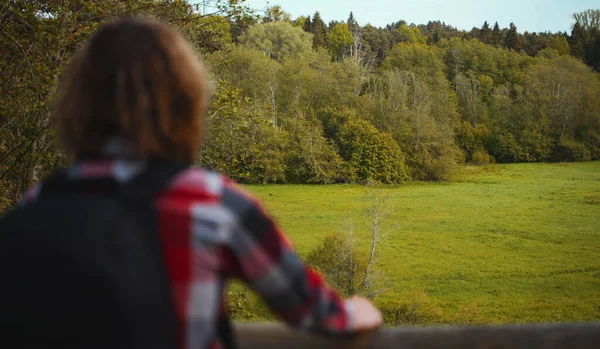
262,256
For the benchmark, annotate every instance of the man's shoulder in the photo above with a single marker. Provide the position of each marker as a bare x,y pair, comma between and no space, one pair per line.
199,181
210,186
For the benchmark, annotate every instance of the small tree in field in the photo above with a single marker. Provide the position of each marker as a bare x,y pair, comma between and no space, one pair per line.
376,214
343,265
338,260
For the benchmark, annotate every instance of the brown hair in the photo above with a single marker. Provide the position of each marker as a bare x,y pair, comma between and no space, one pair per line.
137,80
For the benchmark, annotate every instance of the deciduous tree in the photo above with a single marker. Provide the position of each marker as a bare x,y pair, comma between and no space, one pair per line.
278,39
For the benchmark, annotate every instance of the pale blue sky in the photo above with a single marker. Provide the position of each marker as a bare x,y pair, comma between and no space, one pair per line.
528,15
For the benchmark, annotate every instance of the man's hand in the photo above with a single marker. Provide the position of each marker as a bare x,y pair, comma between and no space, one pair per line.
365,316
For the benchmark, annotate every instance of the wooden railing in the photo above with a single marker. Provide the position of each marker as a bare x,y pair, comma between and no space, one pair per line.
559,336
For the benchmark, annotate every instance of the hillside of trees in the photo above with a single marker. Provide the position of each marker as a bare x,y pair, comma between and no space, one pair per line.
299,100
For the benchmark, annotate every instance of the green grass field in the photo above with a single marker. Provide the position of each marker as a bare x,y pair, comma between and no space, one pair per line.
502,244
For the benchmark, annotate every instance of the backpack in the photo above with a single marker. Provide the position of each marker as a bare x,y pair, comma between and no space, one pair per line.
82,267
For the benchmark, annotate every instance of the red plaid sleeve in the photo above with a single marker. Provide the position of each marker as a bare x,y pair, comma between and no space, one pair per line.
261,255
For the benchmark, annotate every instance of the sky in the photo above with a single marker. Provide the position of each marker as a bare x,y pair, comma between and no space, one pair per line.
528,15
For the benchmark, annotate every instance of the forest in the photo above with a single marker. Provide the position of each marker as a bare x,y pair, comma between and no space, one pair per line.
302,100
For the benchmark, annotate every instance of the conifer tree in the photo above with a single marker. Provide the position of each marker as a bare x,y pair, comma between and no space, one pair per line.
512,38
352,24
436,36
592,49
308,27
496,36
577,41
319,31
485,33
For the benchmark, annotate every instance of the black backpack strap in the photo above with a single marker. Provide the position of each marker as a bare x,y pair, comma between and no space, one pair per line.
150,181
60,184
139,190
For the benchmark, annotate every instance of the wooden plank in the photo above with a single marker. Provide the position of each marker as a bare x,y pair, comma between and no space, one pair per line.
557,336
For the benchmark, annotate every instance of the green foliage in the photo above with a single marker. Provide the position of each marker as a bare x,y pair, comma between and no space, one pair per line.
277,39
570,150
578,41
411,34
340,263
531,146
588,19
234,129
215,34
353,25
585,37
471,139
472,92
249,70
37,39
539,146
412,111
418,121
548,53
368,153
417,58
512,38
340,40
472,57
563,91
481,158
276,14
507,149
312,158
560,44
319,31
378,42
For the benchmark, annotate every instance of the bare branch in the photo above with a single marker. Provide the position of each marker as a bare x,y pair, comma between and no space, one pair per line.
376,213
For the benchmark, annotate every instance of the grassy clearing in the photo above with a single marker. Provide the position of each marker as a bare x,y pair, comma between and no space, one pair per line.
502,244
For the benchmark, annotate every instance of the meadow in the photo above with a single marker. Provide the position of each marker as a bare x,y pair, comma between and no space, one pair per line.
516,243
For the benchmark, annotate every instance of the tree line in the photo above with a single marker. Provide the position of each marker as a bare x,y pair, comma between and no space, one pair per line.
298,100
341,102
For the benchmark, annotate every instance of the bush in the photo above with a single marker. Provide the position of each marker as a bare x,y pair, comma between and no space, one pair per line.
471,139
570,150
507,149
591,138
539,146
368,153
371,154
312,158
433,162
340,264
482,158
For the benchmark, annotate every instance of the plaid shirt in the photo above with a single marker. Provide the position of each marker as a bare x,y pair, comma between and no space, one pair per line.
212,231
